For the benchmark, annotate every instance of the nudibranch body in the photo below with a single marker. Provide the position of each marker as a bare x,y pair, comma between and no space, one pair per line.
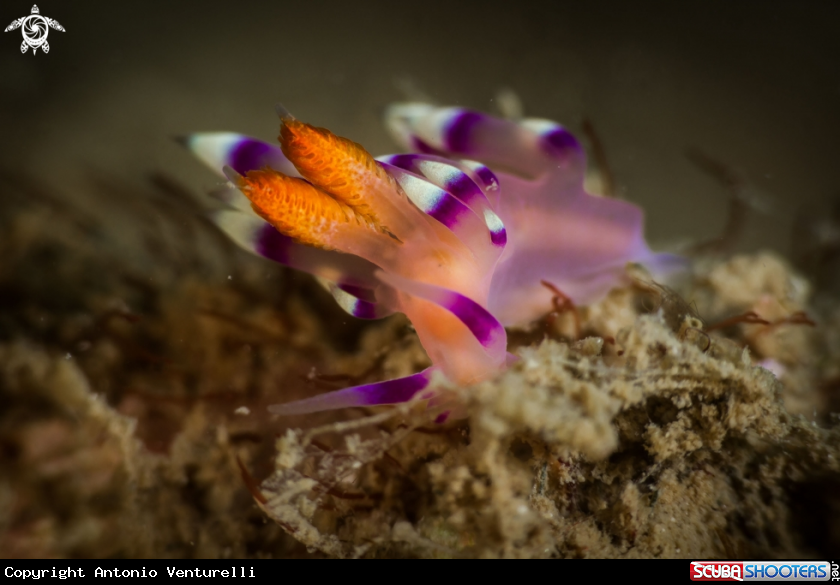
458,248
557,232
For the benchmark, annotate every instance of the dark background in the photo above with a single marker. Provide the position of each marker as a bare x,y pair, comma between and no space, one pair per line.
754,84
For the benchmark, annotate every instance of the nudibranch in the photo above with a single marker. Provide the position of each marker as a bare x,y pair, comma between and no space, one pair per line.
459,248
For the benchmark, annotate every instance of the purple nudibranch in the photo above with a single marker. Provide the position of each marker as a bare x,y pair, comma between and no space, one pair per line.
460,246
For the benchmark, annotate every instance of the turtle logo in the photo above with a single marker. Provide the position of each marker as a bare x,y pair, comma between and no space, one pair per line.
35,28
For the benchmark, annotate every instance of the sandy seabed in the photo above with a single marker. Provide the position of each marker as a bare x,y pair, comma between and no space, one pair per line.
133,419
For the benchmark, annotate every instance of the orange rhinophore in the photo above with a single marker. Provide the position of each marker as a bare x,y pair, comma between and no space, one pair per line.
300,210
306,213
337,165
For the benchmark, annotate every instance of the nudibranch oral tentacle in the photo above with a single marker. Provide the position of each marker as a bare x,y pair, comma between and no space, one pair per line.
388,392
239,152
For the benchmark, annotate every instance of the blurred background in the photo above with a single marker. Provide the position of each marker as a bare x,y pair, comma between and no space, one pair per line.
755,85
133,335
